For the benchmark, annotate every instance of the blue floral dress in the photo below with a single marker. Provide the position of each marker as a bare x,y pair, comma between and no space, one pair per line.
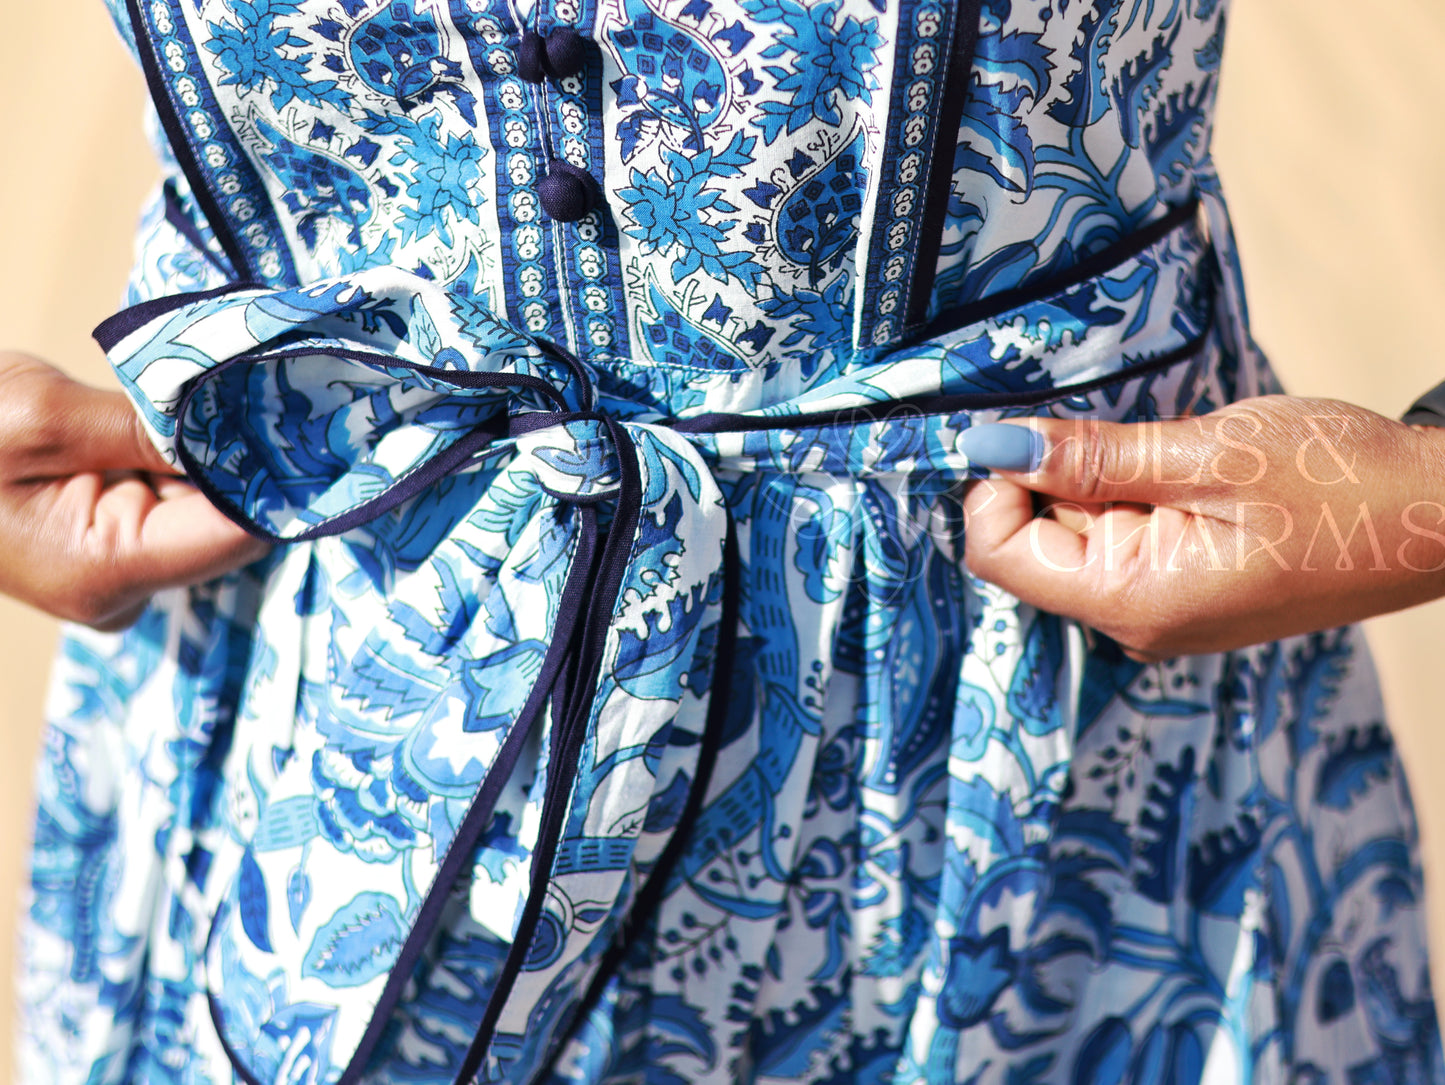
616,706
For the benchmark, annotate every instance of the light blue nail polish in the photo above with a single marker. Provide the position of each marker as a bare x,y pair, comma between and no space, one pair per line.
1002,447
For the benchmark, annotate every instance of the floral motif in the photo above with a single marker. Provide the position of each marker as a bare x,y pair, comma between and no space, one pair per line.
675,215
255,53
831,57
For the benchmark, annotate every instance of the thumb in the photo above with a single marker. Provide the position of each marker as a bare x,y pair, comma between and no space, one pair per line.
1095,462
116,437
63,427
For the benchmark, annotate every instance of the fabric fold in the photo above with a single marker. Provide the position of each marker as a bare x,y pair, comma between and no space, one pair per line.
552,765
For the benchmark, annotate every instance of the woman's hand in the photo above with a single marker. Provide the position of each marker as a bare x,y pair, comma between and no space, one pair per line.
1270,517
92,518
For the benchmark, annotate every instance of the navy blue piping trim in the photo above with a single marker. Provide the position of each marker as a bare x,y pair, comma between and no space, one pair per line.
1126,248
574,600
407,487
560,652
574,366
957,81
462,378
934,404
110,331
186,227
567,747
181,147
649,897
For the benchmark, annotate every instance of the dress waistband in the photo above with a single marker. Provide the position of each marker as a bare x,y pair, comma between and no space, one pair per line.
312,411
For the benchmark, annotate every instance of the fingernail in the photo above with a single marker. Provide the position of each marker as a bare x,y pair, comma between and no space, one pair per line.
1002,447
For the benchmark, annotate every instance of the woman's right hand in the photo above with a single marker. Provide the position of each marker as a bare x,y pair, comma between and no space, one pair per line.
93,521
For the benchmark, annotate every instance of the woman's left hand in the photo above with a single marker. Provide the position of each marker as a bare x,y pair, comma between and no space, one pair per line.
1273,516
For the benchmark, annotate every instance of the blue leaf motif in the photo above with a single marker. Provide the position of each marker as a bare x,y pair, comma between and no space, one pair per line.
1169,1054
667,807
973,719
978,972
822,541
1104,1058
298,895
629,132
1088,100
1032,697
251,902
988,814
1186,1054
295,1044
1362,758
679,1028
495,688
358,943
1151,1059
997,145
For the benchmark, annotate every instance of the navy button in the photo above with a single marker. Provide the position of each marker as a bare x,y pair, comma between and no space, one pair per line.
567,193
566,52
531,55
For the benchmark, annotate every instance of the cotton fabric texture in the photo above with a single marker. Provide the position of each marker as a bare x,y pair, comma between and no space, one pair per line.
615,705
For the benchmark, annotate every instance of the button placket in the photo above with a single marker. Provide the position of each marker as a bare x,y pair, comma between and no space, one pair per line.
567,193
553,53
531,56
565,53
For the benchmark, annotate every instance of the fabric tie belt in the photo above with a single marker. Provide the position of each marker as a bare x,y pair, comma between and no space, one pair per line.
312,412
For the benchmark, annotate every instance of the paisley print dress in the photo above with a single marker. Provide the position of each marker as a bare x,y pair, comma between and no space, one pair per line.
615,705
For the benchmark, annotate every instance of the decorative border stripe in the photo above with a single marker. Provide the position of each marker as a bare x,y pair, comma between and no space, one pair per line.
528,282
932,63
223,181
940,181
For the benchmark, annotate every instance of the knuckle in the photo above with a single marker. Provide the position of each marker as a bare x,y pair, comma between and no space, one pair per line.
101,589
1094,458
1135,617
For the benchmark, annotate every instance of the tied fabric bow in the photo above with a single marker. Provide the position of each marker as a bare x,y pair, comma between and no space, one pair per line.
615,635
597,541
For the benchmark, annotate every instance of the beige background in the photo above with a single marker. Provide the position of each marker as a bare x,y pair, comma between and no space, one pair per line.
1328,141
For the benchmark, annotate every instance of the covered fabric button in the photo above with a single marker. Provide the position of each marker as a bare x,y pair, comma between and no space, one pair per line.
566,52
567,193
531,56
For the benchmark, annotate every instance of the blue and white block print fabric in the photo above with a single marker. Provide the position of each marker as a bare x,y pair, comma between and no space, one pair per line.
615,705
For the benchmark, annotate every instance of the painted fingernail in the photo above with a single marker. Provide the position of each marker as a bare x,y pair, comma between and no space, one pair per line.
1002,447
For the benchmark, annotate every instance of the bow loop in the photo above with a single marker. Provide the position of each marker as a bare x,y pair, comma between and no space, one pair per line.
309,411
